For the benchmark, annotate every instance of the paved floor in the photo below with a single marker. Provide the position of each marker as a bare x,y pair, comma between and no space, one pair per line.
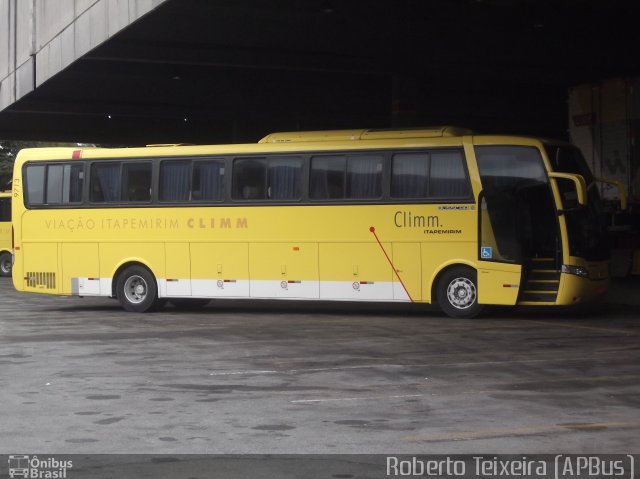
82,376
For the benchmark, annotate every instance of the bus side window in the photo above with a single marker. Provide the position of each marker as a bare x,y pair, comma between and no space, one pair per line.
447,178
54,184
105,182
73,179
364,177
136,181
327,179
355,177
64,184
409,175
284,178
35,184
175,180
249,179
5,209
208,180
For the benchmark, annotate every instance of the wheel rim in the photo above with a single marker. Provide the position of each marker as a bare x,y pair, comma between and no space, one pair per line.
5,265
135,289
461,293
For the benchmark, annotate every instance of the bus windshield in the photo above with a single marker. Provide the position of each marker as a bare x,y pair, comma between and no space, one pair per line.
587,227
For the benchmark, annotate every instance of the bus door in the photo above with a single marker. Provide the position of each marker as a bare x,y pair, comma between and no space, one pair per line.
499,270
519,247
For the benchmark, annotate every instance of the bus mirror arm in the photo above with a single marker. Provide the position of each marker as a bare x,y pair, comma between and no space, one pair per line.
619,186
578,181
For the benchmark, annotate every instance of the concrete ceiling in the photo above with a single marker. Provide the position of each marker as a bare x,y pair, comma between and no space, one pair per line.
208,71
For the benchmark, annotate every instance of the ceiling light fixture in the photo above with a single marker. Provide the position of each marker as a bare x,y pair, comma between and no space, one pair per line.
327,7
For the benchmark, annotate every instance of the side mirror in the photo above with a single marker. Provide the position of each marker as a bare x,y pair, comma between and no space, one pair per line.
579,183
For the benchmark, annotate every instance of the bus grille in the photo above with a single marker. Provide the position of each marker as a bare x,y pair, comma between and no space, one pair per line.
48,280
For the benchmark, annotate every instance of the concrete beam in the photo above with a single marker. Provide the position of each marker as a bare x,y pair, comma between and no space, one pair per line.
40,38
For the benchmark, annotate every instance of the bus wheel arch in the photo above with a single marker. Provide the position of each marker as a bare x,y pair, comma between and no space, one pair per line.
455,288
136,287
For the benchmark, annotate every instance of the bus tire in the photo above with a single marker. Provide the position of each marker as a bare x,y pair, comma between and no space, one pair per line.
5,264
457,292
189,304
137,290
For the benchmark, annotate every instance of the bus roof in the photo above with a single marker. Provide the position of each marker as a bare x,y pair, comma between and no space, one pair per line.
291,142
375,134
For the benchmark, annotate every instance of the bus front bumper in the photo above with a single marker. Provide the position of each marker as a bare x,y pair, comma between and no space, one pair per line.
579,290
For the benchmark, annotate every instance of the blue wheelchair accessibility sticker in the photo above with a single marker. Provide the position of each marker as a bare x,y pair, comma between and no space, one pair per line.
486,252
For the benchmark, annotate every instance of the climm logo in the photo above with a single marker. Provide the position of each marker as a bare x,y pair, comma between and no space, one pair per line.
203,223
406,219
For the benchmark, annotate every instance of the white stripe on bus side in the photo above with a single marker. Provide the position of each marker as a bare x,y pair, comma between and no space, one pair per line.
262,289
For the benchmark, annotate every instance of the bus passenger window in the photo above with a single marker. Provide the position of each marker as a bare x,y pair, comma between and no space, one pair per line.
447,178
136,181
54,184
105,182
284,178
327,179
175,179
208,180
364,177
409,175
72,181
338,177
64,184
5,209
35,185
249,177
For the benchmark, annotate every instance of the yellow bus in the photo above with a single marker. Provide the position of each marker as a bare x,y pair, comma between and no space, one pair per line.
434,215
6,259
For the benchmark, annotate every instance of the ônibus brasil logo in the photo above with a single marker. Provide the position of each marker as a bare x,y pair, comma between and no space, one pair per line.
32,467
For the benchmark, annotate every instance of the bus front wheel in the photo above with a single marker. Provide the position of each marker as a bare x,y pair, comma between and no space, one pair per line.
136,289
5,264
458,292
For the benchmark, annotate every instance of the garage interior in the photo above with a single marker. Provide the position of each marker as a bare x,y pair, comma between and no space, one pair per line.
196,71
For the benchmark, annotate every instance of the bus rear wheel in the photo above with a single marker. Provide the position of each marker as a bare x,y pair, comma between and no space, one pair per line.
136,290
458,293
5,264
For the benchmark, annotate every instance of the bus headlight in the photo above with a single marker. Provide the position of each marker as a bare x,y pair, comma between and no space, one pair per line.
576,270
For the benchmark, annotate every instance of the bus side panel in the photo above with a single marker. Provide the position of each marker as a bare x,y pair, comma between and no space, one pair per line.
114,255
408,262
178,270
355,271
498,283
284,270
220,270
80,269
5,236
40,267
